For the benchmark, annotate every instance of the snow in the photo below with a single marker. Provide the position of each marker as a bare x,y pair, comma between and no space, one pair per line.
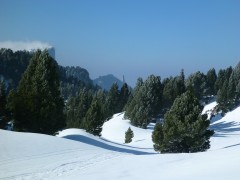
114,130
209,107
75,154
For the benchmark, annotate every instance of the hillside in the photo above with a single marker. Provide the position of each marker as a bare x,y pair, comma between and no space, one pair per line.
76,154
105,82
14,63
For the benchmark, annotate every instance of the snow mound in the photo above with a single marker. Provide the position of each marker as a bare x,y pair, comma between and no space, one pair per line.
227,129
114,130
74,131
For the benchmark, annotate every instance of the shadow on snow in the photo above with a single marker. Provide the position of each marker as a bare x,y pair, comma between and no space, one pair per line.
103,145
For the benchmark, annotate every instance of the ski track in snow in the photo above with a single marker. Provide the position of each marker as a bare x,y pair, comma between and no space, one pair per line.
67,167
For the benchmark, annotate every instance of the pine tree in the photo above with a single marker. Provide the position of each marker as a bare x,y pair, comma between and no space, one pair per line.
85,99
223,76
146,102
173,87
71,113
94,119
237,83
211,79
123,97
132,98
157,137
129,135
231,92
37,105
198,84
3,102
184,128
112,102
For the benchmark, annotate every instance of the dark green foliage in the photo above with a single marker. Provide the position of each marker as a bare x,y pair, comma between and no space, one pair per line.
129,135
146,102
12,65
228,94
157,137
112,101
77,108
94,119
72,79
223,75
3,102
101,96
173,87
123,97
197,83
184,129
237,81
37,104
78,73
211,79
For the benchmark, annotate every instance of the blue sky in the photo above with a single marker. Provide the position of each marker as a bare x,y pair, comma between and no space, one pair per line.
134,38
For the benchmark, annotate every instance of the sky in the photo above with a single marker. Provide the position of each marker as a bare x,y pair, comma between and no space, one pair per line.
134,38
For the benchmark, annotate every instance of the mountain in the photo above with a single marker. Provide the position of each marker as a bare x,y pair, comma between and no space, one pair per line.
14,63
79,73
75,153
106,81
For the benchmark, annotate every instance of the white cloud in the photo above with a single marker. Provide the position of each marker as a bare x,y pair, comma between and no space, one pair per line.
24,45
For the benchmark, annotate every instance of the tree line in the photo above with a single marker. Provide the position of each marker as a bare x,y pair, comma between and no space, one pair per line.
38,105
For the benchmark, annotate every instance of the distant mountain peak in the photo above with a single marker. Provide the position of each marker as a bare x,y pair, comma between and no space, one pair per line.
106,81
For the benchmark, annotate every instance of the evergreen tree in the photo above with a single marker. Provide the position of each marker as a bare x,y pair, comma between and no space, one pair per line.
184,129
112,102
94,119
223,75
157,137
222,98
236,77
173,87
129,135
228,84
85,99
211,79
37,105
231,92
168,92
123,96
77,108
3,102
146,102
71,113
132,98
181,88
198,84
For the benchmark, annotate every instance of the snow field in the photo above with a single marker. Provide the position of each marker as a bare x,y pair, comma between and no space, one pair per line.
75,154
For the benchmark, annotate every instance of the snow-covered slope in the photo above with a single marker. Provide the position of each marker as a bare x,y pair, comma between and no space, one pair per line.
77,155
114,130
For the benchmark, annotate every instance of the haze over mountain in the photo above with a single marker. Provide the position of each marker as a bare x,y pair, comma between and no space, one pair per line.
106,81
